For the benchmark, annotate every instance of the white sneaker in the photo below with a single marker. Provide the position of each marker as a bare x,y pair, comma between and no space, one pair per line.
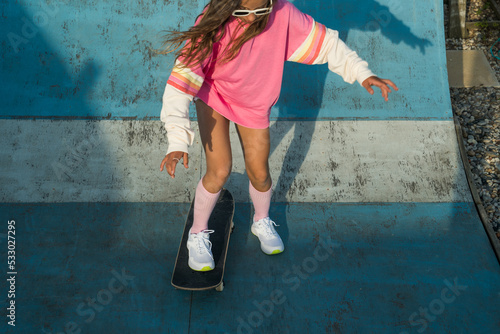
270,241
200,251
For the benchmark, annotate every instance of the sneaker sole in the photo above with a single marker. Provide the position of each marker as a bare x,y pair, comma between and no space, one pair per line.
195,266
274,252
206,268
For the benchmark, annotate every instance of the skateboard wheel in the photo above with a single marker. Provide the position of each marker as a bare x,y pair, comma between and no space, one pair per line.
232,226
220,287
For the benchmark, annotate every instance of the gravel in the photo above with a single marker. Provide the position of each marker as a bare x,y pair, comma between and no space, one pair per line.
478,110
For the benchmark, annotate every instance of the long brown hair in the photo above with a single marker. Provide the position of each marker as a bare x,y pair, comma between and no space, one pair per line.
201,38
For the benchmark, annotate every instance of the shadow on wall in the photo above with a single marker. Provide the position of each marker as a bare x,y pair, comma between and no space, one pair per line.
74,63
70,60
366,16
41,82
44,80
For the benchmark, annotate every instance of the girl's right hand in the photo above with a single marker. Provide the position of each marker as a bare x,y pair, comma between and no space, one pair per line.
171,160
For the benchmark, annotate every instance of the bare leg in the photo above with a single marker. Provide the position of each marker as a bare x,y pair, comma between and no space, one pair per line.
256,145
214,131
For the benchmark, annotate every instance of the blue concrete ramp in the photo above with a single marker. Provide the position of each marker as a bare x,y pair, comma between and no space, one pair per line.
381,230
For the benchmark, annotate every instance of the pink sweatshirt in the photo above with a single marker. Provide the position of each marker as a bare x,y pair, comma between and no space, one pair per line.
244,89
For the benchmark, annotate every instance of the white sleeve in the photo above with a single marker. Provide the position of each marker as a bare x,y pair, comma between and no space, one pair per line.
342,60
175,116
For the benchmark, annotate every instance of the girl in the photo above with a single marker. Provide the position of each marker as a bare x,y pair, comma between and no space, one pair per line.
232,67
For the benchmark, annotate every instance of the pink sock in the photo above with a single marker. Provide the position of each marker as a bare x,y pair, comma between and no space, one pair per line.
261,202
204,203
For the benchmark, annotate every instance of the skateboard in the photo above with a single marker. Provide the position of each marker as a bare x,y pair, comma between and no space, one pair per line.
221,221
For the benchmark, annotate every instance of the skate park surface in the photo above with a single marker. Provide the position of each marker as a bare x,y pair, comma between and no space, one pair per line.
380,226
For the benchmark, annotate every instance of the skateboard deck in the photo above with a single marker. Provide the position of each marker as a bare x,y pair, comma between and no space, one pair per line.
221,221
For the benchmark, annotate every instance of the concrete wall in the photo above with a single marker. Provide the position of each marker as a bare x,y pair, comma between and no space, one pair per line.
81,105
95,59
330,161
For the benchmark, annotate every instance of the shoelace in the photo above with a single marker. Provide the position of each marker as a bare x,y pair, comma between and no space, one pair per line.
268,227
204,244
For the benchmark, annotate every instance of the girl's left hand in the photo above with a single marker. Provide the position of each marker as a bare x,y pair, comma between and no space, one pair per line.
383,84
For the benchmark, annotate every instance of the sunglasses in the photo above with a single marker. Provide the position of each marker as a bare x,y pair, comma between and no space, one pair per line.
258,12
